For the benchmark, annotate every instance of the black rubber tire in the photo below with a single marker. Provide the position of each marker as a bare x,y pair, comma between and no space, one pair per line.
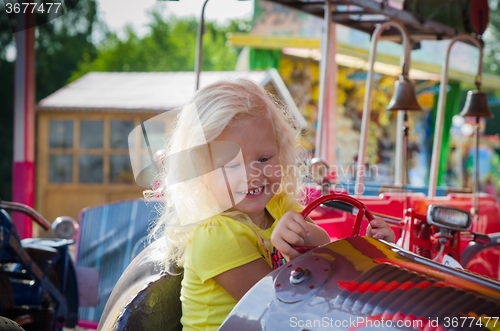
9,325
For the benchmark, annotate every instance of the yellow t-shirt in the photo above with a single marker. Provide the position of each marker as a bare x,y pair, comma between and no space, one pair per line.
219,245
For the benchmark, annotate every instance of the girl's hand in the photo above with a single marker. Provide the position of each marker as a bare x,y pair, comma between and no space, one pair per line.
379,229
292,229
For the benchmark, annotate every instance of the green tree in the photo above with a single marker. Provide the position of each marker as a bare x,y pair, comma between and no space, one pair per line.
60,45
169,46
492,42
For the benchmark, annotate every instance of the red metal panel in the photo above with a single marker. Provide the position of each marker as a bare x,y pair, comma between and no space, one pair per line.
23,172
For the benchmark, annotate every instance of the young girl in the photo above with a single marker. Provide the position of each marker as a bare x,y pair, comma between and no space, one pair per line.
234,217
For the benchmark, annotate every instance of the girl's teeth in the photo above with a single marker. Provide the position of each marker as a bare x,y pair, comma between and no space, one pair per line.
252,192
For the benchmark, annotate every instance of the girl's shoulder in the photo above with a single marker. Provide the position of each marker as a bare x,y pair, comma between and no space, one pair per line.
280,204
221,220
221,238
221,225
220,244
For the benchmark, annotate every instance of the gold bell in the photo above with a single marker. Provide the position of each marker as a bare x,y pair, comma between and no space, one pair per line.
404,96
476,105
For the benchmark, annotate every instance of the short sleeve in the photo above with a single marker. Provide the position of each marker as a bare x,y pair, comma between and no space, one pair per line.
220,245
295,206
279,205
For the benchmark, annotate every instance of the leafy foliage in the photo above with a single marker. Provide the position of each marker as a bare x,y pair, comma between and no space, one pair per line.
492,46
66,50
169,46
60,45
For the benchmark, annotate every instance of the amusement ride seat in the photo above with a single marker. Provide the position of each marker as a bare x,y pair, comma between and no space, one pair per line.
145,297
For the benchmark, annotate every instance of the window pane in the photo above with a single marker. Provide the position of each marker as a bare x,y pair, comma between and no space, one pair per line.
120,169
61,134
119,133
60,168
91,169
155,131
91,134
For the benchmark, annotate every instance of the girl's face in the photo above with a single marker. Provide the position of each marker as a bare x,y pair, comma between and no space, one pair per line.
260,157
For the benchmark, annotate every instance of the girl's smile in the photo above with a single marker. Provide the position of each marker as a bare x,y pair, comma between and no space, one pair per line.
253,192
256,138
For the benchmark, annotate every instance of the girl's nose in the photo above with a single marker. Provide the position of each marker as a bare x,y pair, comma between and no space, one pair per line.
253,171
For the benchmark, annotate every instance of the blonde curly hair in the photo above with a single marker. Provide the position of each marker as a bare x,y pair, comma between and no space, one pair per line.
209,112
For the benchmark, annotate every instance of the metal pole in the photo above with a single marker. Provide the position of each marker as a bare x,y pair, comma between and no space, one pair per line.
438,132
23,168
199,46
398,171
324,69
367,106
475,198
331,108
404,152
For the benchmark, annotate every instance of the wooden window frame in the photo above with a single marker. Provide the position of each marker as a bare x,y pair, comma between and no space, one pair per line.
44,150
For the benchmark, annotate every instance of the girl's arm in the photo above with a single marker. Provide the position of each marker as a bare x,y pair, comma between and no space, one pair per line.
239,280
293,229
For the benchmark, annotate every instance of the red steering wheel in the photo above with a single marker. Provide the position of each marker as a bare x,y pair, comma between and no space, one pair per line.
362,212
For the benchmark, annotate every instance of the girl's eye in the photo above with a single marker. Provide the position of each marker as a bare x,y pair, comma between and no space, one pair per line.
232,166
263,159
